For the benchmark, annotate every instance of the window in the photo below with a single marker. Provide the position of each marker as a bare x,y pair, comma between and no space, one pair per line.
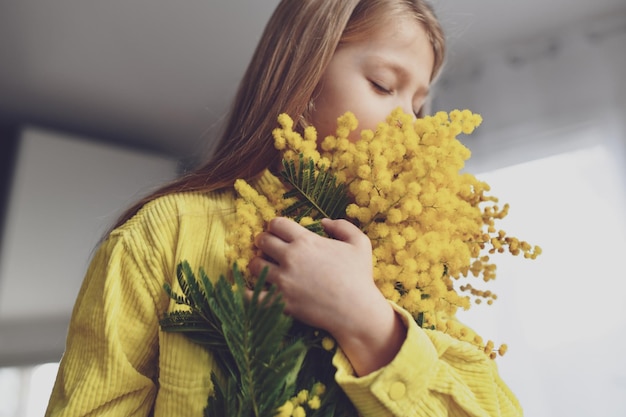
563,314
24,391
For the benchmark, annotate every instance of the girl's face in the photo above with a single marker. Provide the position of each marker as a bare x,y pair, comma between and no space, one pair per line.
372,77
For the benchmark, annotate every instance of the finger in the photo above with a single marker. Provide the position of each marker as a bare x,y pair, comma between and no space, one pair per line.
256,266
345,231
271,245
286,229
263,296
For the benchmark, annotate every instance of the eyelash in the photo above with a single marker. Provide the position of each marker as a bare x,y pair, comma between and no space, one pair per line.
380,88
383,90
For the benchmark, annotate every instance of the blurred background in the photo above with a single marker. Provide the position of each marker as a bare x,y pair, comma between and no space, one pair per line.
102,101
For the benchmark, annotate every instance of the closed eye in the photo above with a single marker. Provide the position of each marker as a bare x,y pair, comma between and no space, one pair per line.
380,88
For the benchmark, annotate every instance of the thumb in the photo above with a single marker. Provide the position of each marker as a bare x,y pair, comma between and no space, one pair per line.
345,231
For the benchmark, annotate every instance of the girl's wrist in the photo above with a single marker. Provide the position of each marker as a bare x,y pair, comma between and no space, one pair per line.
373,339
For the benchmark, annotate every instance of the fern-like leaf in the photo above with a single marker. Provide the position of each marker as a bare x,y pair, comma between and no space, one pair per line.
317,191
258,361
255,331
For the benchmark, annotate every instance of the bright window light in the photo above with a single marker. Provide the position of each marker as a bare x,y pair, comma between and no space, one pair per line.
25,391
10,390
41,382
563,314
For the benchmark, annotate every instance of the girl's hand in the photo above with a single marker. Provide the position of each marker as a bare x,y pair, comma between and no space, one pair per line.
328,284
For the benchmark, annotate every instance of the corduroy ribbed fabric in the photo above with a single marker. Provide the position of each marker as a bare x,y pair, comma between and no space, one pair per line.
119,363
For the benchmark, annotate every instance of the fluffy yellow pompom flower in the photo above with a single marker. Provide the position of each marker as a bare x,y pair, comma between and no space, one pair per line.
302,396
430,225
286,410
328,343
314,403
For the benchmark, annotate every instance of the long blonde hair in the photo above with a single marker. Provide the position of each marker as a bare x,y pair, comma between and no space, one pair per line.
296,46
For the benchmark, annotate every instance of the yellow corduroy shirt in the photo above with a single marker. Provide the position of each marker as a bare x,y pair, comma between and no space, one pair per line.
119,363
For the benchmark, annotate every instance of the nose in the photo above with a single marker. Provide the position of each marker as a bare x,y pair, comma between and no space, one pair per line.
408,108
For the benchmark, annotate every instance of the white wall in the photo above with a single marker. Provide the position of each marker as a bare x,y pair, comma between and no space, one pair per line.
66,192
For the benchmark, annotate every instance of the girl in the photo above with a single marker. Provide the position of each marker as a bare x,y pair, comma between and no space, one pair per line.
316,60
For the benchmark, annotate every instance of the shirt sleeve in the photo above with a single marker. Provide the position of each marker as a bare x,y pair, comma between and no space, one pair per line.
432,375
108,367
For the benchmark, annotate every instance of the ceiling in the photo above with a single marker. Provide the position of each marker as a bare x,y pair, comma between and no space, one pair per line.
160,74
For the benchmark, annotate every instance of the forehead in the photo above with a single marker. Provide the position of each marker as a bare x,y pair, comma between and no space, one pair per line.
399,30
402,43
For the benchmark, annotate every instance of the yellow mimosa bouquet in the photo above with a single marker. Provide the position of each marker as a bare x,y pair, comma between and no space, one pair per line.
432,227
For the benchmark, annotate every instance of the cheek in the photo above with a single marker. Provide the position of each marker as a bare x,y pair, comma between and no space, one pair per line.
325,120
368,117
336,99
325,123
